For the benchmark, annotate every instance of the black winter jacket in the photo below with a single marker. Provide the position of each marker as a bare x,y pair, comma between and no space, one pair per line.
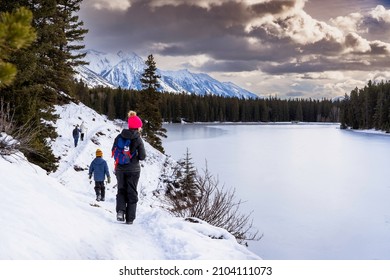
136,147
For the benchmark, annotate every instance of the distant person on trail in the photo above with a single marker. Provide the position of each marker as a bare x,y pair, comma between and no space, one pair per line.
83,130
76,135
99,169
128,149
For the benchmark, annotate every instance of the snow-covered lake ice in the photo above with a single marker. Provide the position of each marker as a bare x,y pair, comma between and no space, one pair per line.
317,192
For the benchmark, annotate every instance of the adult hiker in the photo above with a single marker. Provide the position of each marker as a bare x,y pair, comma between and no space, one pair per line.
128,149
76,135
83,131
99,169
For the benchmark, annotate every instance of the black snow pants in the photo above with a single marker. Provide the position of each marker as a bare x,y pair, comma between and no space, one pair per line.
127,196
100,190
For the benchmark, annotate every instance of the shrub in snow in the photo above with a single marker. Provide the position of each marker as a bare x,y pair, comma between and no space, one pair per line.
193,195
14,139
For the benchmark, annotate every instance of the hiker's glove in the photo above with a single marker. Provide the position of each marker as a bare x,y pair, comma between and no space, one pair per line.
108,180
90,176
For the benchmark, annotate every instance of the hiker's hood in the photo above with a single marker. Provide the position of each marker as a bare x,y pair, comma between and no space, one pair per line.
99,160
130,133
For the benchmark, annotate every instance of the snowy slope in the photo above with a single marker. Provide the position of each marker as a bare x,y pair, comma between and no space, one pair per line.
124,70
201,84
51,217
94,80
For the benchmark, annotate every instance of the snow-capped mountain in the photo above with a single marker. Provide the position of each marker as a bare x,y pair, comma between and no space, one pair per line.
124,70
94,80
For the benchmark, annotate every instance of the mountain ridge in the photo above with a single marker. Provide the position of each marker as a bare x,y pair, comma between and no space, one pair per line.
124,69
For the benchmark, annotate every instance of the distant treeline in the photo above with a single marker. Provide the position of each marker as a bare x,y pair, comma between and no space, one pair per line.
210,108
367,108
115,103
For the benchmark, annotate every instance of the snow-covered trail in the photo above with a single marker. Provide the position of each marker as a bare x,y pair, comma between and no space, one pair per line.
152,228
56,216
74,156
121,239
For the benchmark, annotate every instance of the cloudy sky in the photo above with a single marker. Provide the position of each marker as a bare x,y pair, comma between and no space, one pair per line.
288,48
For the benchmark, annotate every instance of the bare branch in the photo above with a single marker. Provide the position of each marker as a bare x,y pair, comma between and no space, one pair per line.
215,205
14,139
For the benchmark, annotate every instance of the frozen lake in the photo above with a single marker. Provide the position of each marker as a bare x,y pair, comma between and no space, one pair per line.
317,192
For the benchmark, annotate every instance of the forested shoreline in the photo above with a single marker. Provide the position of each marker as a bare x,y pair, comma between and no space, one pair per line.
211,108
367,108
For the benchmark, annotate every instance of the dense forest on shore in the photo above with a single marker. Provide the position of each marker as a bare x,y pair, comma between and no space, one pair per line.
367,108
210,108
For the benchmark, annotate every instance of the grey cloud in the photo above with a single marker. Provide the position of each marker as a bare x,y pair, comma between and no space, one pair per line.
230,66
323,47
272,7
323,10
372,24
376,29
295,94
378,48
182,30
219,32
323,64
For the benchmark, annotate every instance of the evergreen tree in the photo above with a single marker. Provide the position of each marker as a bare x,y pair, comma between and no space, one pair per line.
74,31
149,105
367,108
183,190
69,47
299,113
45,69
16,32
188,182
150,78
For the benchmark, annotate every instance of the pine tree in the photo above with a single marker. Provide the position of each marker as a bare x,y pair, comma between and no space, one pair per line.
299,113
45,69
149,78
149,105
69,47
183,191
74,31
188,180
16,32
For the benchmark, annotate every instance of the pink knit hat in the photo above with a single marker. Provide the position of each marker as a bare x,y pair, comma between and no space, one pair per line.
134,122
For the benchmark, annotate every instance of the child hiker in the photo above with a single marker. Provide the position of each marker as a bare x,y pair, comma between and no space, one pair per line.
99,169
